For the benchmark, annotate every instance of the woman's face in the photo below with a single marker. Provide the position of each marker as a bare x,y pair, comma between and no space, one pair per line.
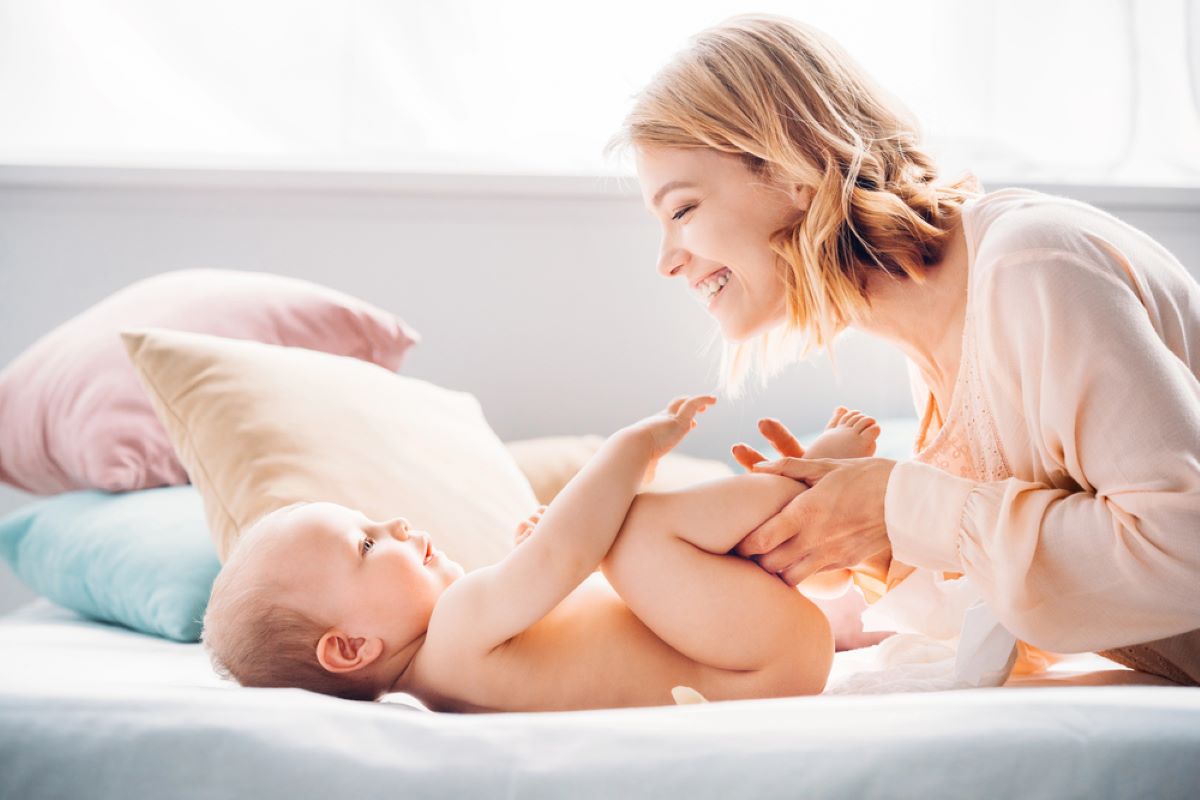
717,217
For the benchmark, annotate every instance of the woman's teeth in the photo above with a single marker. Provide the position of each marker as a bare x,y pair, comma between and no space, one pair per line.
710,286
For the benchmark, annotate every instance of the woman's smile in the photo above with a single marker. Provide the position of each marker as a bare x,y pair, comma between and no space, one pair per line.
713,285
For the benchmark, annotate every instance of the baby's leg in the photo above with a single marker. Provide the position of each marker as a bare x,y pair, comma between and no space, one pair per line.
670,565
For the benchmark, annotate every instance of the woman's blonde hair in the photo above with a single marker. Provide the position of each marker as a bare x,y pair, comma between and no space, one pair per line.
799,111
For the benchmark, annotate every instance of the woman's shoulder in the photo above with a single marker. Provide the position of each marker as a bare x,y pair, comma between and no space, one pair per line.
1006,222
1021,237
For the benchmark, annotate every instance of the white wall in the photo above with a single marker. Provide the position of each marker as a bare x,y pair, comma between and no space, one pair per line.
537,295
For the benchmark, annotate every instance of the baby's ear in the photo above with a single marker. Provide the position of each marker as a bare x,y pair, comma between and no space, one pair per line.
340,652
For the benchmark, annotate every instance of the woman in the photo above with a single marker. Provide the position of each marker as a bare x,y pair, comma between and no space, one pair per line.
1053,350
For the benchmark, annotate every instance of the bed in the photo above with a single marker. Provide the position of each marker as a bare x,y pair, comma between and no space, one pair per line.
97,711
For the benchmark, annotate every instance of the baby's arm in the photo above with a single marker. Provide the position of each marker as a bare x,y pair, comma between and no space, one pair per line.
671,566
577,530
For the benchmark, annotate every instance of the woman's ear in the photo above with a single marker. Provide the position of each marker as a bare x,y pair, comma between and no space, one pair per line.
802,197
339,652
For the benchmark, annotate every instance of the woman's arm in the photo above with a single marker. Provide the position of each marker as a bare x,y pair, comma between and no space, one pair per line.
1113,411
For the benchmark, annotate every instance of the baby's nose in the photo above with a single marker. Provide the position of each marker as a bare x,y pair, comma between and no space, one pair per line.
401,528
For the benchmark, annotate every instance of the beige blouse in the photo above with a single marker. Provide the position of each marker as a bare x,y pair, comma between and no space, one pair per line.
1064,480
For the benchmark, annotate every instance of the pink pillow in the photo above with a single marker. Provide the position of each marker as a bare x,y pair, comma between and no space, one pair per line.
73,414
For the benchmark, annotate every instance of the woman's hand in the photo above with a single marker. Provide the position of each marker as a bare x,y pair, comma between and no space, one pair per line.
837,523
779,437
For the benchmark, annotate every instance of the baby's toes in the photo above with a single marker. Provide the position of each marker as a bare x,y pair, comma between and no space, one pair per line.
838,413
851,417
871,432
862,423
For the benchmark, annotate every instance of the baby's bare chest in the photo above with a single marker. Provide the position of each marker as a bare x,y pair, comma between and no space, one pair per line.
591,651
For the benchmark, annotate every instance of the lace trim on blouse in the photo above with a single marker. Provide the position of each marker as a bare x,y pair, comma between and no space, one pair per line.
966,443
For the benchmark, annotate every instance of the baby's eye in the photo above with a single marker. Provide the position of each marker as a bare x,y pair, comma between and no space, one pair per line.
367,544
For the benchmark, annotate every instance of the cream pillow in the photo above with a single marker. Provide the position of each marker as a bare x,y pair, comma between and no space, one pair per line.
260,426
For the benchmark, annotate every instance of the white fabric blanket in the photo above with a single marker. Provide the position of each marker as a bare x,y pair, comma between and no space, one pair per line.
947,638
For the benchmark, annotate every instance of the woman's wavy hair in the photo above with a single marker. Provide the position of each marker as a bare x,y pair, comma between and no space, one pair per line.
799,111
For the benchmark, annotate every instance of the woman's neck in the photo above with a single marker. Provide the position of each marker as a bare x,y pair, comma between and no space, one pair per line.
925,320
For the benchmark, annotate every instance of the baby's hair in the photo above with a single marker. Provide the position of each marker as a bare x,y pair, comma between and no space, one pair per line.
799,111
255,640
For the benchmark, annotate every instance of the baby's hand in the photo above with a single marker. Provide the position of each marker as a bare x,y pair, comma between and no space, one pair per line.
667,428
525,528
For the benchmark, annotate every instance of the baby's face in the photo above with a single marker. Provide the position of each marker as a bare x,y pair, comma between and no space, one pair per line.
374,579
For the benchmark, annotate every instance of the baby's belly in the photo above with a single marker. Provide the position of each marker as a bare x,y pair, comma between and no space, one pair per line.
592,652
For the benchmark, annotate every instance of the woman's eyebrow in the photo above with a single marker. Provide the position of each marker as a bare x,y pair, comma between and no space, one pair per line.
668,187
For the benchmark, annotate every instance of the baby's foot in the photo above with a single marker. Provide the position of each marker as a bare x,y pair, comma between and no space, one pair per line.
849,434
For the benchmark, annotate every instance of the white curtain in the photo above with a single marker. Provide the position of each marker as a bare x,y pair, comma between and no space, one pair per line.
1100,91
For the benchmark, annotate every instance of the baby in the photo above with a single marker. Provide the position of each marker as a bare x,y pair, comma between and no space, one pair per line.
317,596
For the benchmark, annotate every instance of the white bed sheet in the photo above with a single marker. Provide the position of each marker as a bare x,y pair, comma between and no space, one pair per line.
91,710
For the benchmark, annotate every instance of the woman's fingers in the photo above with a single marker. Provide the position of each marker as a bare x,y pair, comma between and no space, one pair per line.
837,523
746,455
808,470
785,545
797,571
785,529
780,437
791,551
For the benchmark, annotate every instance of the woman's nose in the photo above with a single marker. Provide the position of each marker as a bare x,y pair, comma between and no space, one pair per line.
670,261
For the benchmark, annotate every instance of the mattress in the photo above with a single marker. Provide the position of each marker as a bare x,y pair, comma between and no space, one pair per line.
91,710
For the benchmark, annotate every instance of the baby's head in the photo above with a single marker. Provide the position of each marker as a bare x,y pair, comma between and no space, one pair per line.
319,597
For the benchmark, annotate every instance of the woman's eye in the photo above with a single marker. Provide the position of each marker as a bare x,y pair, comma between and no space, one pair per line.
679,214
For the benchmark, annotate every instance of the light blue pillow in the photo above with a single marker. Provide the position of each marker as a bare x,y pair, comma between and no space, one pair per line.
141,559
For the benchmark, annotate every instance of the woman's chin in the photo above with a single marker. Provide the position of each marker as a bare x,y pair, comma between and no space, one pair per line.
735,330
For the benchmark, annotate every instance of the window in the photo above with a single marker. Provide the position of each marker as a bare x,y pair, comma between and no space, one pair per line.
1103,91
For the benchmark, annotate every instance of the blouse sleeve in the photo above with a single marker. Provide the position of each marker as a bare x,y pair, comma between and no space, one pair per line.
1109,555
